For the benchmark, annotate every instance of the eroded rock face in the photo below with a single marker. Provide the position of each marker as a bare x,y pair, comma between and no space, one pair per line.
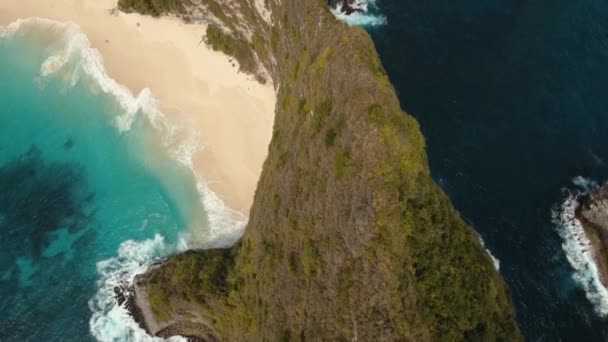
182,318
594,208
593,214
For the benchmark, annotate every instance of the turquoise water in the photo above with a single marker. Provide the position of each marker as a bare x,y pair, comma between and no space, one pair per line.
87,198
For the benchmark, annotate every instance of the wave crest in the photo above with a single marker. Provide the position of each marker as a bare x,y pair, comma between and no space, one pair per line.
112,321
74,56
495,260
366,14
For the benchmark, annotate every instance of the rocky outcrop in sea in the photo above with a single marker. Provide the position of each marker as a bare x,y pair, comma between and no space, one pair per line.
592,212
345,6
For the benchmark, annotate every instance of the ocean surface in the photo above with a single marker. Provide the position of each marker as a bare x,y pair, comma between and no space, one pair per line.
511,97
95,184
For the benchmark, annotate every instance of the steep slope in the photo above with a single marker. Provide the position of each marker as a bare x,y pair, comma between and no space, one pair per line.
348,238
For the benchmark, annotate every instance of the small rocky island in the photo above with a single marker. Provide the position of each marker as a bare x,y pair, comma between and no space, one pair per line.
593,215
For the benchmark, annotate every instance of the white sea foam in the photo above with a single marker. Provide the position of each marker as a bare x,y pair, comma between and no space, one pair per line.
76,52
494,259
110,321
75,58
181,141
362,17
585,184
577,246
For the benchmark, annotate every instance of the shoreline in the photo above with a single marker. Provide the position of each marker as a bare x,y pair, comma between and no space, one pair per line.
194,86
592,214
191,327
582,243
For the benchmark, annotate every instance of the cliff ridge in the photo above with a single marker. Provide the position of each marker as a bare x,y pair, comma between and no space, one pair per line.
348,238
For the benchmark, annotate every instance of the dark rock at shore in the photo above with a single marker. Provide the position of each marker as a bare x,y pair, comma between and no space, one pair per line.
347,7
135,301
125,294
119,295
593,215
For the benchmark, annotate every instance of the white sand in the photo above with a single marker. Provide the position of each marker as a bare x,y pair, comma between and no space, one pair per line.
233,113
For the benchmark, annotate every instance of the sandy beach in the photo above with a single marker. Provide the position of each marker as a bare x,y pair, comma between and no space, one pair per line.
193,84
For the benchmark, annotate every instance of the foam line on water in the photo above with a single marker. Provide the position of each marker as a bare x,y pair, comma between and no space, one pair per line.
577,246
76,58
495,260
110,321
181,141
364,15
75,46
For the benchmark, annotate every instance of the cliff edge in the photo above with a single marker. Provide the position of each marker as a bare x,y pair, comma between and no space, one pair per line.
348,238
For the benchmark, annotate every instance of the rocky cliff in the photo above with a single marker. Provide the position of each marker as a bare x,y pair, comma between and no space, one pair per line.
349,238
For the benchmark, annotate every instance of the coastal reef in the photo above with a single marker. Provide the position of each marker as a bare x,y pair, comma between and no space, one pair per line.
348,238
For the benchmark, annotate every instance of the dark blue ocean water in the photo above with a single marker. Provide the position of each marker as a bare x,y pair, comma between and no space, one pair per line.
512,98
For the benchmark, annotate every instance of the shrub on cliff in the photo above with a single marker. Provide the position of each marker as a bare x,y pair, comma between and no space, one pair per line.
232,45
153,7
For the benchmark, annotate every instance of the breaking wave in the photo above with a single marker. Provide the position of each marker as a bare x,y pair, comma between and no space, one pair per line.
577,246
495,260
111,321
366,14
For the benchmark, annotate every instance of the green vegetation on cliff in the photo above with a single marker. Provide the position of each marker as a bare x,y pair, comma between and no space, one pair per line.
233,45
194,277
153,7
348,237
226,31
